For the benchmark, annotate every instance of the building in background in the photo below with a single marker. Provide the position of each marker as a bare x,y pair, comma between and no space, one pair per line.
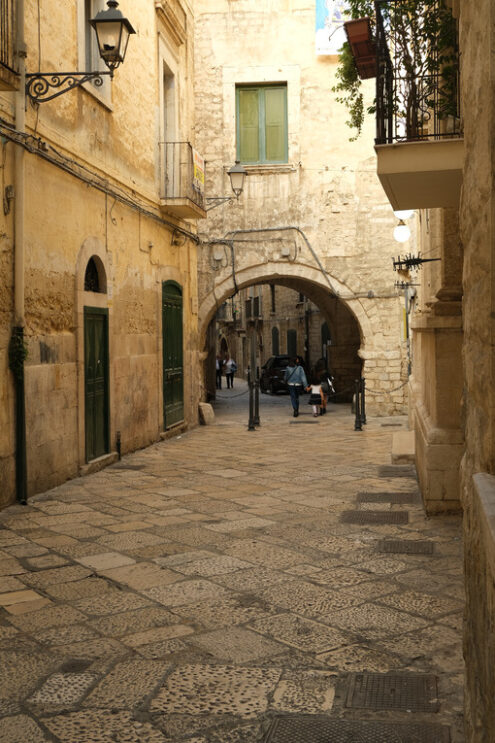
312,217
98,281
284,321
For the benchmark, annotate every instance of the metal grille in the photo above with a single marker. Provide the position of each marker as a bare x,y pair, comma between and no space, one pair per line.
395,498
417,84
397,470
412,692
375,517
405,547
7,32
178,173
318,729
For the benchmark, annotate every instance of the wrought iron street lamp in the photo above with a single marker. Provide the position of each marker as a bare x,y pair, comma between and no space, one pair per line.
112,34
237,174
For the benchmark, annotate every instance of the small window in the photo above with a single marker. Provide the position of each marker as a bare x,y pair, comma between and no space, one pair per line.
262,123
275,342
272,297
92,60
292,342
93,282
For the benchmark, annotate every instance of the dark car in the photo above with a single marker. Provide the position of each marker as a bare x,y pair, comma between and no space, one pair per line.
272,374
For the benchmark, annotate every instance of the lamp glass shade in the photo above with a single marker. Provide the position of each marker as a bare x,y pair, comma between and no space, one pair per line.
402,233
112,33
404,214
237,174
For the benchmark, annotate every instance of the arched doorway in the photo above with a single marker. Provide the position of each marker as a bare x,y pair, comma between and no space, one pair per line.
173,354
96,363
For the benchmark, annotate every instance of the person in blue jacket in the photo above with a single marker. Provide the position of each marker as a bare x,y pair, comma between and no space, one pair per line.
296,381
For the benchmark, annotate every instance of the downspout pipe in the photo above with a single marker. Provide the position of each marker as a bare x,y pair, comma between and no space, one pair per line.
17,351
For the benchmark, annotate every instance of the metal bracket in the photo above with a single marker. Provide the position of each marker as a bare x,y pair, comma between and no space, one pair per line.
40,84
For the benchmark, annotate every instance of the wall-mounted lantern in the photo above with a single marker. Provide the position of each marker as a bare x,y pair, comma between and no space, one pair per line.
112,33
237,174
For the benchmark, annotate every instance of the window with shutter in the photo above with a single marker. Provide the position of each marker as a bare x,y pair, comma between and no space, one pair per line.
261,113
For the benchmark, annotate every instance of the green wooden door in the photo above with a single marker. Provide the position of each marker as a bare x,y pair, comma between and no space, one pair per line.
96,381
173,370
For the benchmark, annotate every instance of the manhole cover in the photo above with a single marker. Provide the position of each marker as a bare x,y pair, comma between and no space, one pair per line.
395,498
405,547
318,729
397,470
375,517
416,692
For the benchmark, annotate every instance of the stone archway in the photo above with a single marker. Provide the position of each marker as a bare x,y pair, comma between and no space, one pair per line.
376,318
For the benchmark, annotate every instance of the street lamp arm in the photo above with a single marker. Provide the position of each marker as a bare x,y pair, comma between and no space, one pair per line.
217,200
40,84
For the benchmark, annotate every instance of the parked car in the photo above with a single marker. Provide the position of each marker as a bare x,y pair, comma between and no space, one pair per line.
272,374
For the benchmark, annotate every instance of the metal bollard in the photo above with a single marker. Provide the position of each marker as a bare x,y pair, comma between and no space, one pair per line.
363,403
251,416
256,417
357,423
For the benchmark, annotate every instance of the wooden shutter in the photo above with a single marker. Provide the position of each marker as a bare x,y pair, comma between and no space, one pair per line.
275,124
248,134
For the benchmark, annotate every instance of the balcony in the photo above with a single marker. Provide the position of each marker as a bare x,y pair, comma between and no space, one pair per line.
9,78
182,179
419,142
226,313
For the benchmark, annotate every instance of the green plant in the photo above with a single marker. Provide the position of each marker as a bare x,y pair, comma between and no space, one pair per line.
17,352
421,37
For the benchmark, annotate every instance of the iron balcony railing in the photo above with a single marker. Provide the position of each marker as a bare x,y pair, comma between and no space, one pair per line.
226,312
7,36
182,173
417,81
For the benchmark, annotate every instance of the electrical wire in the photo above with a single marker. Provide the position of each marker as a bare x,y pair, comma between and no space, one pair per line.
36,146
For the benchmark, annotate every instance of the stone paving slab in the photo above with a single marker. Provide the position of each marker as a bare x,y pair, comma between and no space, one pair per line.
206,585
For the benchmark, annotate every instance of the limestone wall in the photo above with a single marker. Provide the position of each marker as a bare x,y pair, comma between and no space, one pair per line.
477,40
69,220
328,188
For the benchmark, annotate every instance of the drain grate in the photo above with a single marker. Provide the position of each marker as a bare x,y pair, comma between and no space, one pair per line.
397,470
395,498
413,692
128,467
405,547
319,729
375,517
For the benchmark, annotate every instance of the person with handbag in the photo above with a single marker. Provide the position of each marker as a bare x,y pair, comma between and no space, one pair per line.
296,381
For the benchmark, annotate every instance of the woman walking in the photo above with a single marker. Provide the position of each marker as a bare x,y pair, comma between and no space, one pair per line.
296,381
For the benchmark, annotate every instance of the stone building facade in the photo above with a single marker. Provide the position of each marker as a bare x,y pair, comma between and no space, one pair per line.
312,216
97,257
452,399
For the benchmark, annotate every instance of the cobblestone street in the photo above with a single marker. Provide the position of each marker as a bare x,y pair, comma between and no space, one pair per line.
208,587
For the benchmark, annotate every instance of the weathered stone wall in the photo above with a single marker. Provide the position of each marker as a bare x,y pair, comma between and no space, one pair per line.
437,381
68,221
7,422
328,188
477,40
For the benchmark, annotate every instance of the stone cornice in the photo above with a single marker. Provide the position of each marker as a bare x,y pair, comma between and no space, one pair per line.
173,18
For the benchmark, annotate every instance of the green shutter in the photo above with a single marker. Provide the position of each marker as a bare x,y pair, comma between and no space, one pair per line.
275,124
248,125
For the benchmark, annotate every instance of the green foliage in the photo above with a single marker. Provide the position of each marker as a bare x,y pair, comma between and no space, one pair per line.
17,353
349,89
422,41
